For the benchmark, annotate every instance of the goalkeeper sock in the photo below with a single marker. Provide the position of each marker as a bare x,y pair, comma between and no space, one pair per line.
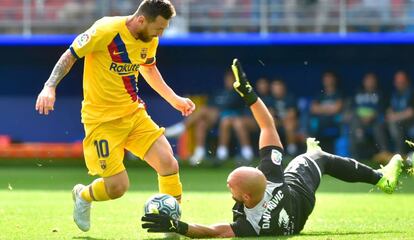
96,191
171,185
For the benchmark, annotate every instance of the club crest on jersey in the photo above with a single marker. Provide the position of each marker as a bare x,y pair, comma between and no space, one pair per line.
103,164
144,53
276,157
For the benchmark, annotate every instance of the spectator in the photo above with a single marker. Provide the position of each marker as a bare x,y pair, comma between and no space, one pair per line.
78,10
326,112
285,114
263,91
400,114
368,121
231,116
226,105
378,11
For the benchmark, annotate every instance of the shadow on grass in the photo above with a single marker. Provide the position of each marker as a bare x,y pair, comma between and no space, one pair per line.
347,233
89,238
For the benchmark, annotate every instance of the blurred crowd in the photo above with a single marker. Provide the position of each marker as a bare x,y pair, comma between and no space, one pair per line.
304,15
367,125
72,16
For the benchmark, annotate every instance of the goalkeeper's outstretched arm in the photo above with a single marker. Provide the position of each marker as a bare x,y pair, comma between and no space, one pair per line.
164,223
268,133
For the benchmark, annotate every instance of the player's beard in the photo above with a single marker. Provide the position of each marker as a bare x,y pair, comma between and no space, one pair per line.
144,36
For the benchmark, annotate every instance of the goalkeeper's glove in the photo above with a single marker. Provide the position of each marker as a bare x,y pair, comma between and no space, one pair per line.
242,85
163,223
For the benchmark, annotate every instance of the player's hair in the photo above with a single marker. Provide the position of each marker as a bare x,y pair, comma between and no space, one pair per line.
151,9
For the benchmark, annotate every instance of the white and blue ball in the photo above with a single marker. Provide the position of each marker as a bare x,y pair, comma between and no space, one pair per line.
163,203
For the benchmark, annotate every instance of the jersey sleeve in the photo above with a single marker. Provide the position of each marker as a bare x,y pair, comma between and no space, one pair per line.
87,41
242,228
152,52
271,163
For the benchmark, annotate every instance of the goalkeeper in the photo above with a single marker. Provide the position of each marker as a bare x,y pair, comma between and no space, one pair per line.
271,201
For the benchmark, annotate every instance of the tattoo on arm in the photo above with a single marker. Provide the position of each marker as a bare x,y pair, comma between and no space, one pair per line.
61,68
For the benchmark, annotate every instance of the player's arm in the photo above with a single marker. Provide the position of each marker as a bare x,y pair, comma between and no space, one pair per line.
46,99
268,133
164,223
155,80
213,231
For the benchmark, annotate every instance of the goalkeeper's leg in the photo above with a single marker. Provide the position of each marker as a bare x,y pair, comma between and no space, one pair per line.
345,169
350,170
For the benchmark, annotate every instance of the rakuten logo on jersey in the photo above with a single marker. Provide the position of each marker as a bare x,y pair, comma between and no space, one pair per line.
124,68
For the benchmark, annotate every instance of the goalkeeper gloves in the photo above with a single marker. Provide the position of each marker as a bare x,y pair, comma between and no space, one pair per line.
163,223
242,85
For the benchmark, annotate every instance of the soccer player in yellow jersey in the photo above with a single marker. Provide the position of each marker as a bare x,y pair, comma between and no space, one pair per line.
116,50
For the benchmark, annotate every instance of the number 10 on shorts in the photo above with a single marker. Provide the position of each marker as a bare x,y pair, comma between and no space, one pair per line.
102,148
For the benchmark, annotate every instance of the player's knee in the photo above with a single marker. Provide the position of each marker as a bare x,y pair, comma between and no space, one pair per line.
117,190
172,166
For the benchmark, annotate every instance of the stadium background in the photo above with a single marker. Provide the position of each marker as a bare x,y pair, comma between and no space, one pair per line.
295,39
36,33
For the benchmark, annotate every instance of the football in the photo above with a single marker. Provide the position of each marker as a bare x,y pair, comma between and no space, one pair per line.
163,203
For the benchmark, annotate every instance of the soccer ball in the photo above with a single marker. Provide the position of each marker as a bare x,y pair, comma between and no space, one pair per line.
163,203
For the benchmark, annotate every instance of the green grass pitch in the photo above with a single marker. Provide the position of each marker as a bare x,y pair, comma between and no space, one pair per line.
35,203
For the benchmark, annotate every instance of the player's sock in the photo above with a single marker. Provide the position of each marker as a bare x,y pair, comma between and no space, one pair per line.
171,185
346,169
96,191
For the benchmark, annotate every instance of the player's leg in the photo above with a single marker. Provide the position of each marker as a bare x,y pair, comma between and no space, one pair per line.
148,143
160,157
350,170
104,152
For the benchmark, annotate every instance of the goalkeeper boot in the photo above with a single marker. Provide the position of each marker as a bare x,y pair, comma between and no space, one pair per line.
408,164
81,209
312,145
390,174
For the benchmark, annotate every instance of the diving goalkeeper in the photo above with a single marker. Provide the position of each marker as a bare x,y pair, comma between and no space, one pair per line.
271,201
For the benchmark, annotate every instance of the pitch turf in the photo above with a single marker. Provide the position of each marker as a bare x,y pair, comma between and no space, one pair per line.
35,203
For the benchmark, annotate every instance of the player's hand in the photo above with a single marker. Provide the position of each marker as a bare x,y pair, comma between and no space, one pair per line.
241,84
163,223
46,100
184,105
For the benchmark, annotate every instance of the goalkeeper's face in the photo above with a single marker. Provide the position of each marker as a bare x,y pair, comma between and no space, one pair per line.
235,193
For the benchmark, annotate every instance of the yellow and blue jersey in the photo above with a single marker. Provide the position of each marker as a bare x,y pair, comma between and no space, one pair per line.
112,60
